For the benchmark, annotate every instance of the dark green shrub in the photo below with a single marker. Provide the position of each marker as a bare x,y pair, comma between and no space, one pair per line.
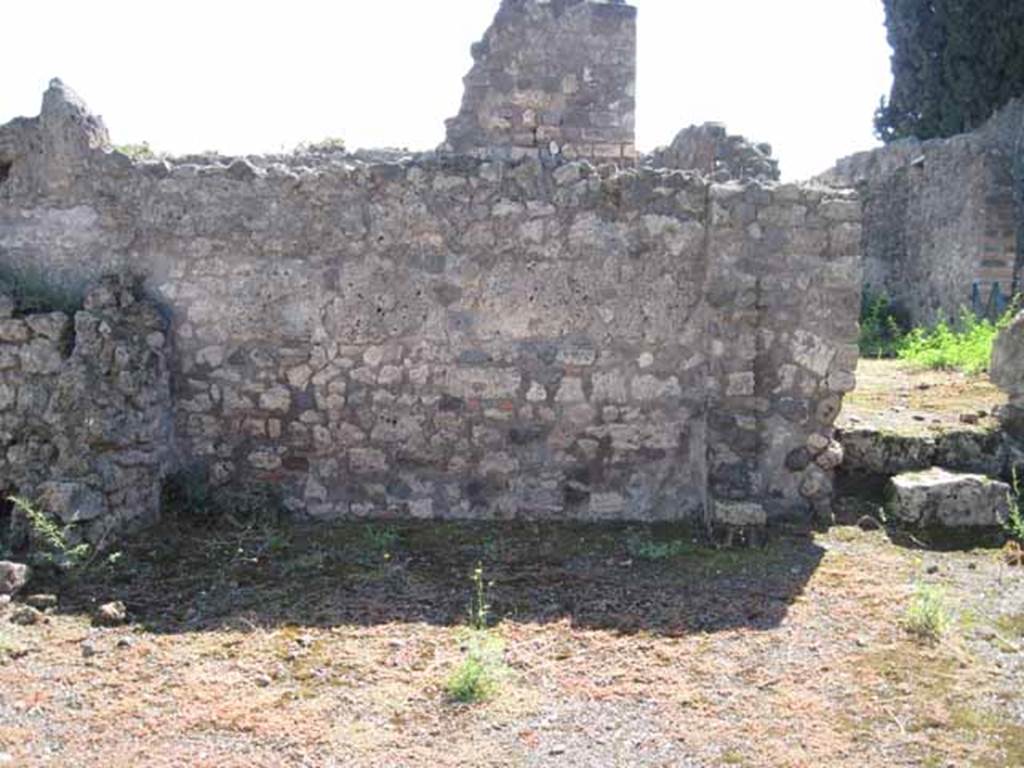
882,326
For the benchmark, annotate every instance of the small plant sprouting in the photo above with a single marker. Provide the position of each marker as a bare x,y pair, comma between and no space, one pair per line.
480,674
380,541
327,146
53,547
928,617
479,608
648,549
141,151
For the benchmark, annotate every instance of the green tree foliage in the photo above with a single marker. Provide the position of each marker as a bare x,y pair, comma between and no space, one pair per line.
954,63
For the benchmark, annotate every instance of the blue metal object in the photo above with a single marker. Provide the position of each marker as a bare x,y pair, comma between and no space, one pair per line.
994,307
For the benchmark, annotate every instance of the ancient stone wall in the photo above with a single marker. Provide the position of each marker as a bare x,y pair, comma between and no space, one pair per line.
85,413
942,218
551,77
457,337
711,151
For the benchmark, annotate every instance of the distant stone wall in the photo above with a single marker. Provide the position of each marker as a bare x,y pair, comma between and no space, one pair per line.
552,78
711,151
943,218
458,337
85,412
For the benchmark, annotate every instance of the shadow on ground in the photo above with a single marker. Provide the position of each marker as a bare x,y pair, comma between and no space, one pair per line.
622,579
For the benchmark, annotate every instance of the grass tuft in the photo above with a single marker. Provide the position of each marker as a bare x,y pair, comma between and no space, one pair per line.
650,549
479,676
928,617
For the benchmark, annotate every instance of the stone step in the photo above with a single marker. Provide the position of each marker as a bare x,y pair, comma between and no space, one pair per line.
940,498
879,452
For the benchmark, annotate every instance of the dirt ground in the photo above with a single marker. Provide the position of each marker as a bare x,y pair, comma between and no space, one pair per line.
893,395
624,646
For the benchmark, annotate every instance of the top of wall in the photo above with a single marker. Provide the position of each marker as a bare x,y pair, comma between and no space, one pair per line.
555,78
1004,132
712,151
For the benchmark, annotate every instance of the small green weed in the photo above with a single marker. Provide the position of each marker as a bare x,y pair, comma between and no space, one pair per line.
649,549
481,672
327,146
51,547
380,541
928,617
137,151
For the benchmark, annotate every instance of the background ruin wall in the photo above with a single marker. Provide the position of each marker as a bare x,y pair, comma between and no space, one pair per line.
943,218
450,336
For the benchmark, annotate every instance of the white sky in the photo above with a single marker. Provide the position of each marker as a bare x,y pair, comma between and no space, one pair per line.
805,75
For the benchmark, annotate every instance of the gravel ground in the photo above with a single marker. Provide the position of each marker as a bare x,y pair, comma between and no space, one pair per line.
323,647
897,397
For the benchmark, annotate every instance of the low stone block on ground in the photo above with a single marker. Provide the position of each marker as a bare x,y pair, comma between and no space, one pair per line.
940,498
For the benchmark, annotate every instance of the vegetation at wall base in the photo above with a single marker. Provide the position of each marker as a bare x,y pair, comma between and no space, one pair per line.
50,547
964,346
881,328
